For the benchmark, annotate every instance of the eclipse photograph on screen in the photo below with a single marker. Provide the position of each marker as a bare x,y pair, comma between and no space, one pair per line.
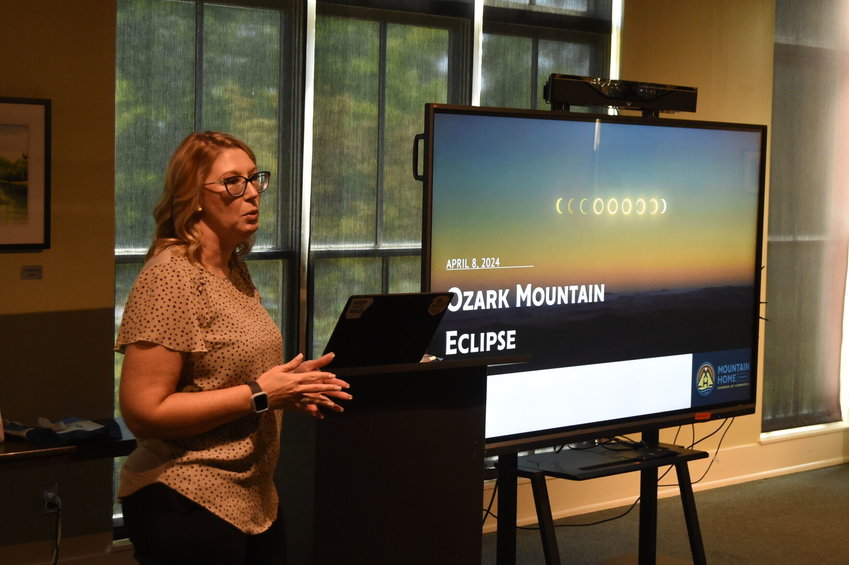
621,255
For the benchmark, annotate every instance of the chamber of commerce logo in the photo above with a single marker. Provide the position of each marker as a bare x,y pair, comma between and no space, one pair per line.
706,379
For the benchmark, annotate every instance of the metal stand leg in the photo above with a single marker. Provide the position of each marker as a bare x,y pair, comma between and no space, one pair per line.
544,518
506,534
685,485
648,506
648,516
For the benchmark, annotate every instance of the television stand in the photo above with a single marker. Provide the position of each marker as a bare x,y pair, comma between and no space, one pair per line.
591,463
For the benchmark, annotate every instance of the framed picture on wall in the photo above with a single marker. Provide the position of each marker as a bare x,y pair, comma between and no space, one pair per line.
24,174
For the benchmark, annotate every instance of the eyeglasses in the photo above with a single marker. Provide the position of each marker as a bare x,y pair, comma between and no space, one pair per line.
237,185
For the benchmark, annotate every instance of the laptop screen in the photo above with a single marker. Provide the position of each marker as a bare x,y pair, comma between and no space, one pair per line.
386,329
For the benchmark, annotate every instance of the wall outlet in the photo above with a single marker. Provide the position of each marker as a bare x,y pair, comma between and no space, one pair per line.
32,273
50,498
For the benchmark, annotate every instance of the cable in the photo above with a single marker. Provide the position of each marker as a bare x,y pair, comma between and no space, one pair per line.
596,523
713,433
715,454
56,503
487,512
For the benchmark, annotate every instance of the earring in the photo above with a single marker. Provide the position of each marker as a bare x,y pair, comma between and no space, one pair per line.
200,209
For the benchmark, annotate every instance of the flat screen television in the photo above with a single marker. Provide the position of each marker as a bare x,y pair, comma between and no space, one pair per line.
622,255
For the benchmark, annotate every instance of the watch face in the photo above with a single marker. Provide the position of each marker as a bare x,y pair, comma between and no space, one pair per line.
260,401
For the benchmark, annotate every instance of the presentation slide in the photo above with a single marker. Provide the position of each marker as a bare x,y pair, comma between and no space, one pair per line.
619,256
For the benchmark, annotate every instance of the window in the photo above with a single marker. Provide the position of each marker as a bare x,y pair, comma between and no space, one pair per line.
374,72
526,41
183,67
807,222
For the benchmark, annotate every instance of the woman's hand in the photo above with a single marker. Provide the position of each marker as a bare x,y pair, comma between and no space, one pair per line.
314,364
302,386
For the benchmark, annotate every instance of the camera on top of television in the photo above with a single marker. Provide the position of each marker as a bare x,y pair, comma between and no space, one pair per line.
564,91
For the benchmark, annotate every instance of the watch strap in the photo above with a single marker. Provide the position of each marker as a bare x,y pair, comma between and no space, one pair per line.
259,398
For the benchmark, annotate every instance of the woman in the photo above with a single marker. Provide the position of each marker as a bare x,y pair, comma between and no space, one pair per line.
203,380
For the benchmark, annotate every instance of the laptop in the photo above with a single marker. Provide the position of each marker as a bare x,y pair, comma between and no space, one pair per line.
386,329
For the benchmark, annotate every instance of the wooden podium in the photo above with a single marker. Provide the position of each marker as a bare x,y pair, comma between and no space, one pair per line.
396,478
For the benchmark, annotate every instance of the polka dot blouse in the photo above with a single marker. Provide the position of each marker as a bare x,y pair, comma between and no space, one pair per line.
228,339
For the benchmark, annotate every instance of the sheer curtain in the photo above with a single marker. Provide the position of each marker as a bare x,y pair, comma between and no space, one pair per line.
807,245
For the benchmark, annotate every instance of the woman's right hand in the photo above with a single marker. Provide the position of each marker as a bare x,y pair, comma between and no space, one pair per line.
303,388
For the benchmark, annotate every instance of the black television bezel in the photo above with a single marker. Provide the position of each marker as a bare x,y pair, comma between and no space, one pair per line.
647,424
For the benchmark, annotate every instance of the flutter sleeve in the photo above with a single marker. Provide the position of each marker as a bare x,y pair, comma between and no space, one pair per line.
165,308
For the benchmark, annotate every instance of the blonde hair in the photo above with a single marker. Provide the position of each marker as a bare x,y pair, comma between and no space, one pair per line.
178,211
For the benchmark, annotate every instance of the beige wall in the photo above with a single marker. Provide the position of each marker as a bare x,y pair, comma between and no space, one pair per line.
57,331
55,349
65,51
721,47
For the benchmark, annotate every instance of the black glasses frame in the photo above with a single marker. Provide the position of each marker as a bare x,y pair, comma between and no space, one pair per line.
259,179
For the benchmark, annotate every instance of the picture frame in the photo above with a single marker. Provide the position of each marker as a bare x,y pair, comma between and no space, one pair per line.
24,174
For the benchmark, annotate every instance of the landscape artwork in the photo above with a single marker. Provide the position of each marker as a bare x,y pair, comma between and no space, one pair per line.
24,174
14,173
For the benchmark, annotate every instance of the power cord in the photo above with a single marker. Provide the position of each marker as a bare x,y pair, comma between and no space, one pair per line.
487,512
730,422
54,505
